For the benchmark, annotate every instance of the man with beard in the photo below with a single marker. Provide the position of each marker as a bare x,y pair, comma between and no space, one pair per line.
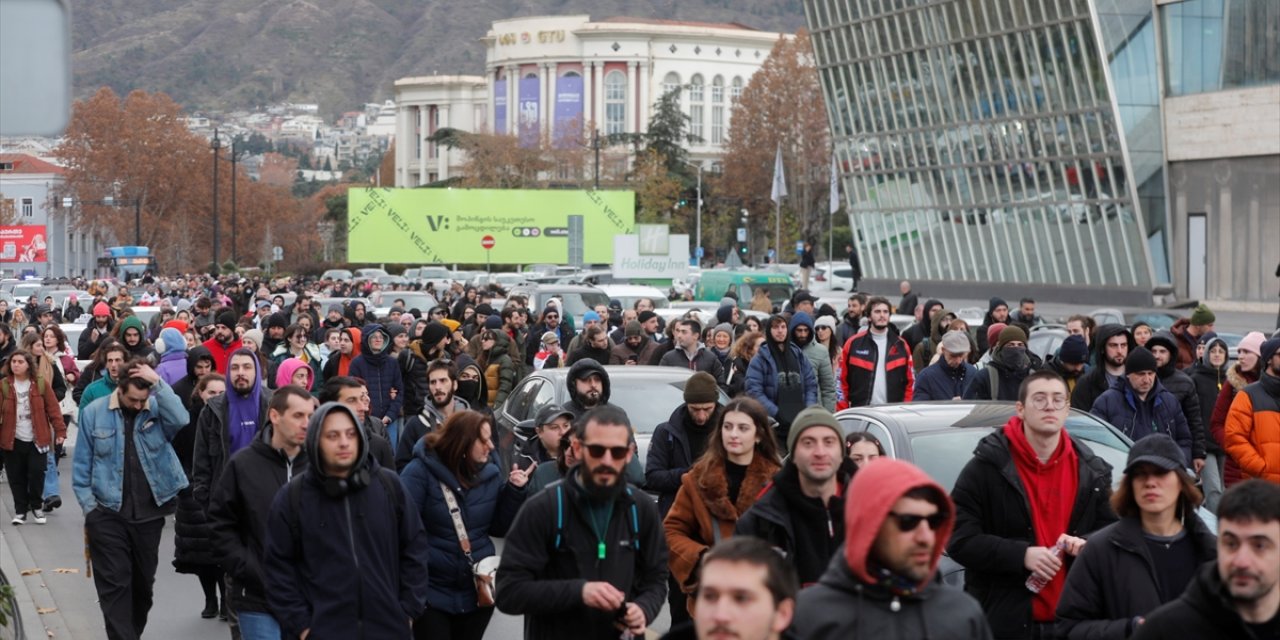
352,392
276,324
1071,360
550,323
951,375
852,321
781,378
224,341
877,362
97,331
897,521
593,343
442,383
819,357
596,528
1113,343
1140,406
113,357
1179,383
997,313
1238,596
1011,364
745,590
801,512
332,320
588,386
635,348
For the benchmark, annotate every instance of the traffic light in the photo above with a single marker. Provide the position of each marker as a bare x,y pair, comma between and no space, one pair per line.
743,249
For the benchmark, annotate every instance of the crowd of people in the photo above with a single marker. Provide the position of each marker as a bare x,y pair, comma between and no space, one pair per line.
336,473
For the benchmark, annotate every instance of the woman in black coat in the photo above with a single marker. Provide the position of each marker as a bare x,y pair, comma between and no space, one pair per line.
1130,568
740,355
192,546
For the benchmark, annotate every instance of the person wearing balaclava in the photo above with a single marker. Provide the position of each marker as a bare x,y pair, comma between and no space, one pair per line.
1011,364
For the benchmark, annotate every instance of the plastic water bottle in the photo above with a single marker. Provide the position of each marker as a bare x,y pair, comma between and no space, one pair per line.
1034,582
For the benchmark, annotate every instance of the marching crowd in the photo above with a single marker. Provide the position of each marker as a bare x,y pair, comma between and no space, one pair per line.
337,474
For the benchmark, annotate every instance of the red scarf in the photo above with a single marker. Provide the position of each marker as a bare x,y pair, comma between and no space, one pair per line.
1051,490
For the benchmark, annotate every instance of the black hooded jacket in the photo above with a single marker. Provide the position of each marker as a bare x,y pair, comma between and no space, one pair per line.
1205,610
1184,389
579,370
799,527
344,557
987,321
238,515
1094,382
921,330
670,455
1208,380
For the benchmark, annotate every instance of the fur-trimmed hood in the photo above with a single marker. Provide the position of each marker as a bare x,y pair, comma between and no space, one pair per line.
1240,379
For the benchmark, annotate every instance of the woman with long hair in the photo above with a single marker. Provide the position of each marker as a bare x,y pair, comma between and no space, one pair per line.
459,458
192,549
740,355
49,368
30,426
741,458
1146,559
1246,371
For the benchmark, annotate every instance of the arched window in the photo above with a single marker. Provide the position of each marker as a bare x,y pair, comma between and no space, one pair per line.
671,83
717,110
735,90
615,102
695,106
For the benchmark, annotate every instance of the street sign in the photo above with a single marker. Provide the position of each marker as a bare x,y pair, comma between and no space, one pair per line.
742,234
487,242
277,253
699,253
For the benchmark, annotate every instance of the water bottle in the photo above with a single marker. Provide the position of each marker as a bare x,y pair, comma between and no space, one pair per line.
1034,582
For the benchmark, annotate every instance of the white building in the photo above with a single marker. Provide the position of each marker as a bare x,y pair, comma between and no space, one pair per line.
545,76
26,183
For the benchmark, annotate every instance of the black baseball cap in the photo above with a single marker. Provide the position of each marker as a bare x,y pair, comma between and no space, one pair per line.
1157,449
550,412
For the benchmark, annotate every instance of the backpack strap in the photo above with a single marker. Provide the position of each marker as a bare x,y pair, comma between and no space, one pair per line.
634,520
559,514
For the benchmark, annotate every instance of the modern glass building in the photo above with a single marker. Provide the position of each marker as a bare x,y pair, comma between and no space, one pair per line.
1026,142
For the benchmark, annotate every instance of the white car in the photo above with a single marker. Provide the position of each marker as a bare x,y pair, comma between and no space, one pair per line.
627,294
837,275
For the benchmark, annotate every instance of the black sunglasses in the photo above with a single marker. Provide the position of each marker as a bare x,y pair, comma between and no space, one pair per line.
909,521
597,451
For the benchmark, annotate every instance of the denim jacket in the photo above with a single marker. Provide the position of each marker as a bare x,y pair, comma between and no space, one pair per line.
99,453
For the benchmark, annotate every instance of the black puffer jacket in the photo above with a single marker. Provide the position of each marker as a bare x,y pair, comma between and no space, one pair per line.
994,530
1208,380
1205,610
1184,389
1113,581
192,539
670,456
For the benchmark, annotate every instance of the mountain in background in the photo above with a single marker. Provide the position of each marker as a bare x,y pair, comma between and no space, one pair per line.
242,54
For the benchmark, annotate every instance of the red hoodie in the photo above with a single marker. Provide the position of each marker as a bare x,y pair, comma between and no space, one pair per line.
867,504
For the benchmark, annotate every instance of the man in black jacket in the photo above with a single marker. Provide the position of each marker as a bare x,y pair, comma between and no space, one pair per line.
586,556
1030,490
1112,344
346,555
1165,349
801,513
242,500
1239,595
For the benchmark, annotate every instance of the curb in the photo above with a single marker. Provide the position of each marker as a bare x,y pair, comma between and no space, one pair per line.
29,591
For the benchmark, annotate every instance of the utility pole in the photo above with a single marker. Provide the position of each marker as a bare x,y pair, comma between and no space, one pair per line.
595,144
234,257
697,242
215,144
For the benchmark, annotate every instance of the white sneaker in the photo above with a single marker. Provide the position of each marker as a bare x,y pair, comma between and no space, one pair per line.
19,519
38,516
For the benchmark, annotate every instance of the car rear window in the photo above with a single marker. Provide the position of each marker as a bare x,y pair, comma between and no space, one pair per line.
649,403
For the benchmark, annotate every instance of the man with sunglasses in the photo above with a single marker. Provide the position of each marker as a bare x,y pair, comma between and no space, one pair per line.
1024,502
896,521
586,557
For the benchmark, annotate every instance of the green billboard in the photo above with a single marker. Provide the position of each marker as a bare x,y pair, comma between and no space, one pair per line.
428,226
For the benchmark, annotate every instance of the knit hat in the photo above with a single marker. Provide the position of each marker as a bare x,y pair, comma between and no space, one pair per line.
725,312
484,309
815,416
227,319
1073,350
993,332
493,322
180,325
550,337
451,324
433,333
393,329
646,316
551,308
1158,449
723,327
278,319
335,308
1269,349
1252,342
955,342
700,388
255,335
1139,360
825,321
591,316
633,330
101,309
1011,334
1202,316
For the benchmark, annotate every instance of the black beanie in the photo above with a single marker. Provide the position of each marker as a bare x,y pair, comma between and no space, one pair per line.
1138,361
433,333
646,316
227,319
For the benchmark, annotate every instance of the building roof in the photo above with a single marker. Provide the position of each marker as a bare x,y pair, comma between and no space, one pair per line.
681,23
23,163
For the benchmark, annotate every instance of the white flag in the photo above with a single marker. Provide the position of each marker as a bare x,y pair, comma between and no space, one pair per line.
834,206
779,180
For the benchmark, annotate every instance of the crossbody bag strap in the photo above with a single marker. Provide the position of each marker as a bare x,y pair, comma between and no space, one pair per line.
459,527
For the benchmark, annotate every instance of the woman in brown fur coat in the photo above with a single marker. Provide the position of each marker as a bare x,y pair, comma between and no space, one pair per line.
741,458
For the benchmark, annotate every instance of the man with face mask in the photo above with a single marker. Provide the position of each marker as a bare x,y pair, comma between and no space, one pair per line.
635,347
1140,406
224,340
442,384
951,375
593,526
1011,365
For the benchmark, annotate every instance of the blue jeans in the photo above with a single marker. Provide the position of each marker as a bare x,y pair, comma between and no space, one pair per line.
393,432
51,475
258,626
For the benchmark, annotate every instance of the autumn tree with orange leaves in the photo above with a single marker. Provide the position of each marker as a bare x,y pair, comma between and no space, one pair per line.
139,149
781,105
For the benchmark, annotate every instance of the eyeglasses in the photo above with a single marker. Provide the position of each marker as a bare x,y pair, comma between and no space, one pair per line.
909,521
598,451
1043,402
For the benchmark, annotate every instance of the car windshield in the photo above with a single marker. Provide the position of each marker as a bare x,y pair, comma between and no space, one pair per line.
649,402
937,452
778,293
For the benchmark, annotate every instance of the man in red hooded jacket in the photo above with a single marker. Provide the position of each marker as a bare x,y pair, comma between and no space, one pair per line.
897,520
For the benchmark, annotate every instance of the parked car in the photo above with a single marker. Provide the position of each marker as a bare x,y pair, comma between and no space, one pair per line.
336,274
627,294
837,275
647,394
576,299
420,300
1045,339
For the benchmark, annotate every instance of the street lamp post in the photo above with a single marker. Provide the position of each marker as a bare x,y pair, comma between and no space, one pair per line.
215,144
697,242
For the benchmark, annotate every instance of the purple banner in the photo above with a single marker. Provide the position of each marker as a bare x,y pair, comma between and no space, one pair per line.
500,106
568,121
529,97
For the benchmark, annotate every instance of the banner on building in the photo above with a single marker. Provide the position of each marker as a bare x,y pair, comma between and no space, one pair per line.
437,226
568,120
500,105
24,243
530,97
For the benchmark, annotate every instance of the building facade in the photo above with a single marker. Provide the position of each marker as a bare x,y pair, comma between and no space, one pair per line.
1109,150
558,78
39,225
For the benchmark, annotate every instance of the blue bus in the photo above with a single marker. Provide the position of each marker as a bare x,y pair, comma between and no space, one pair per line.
127,263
